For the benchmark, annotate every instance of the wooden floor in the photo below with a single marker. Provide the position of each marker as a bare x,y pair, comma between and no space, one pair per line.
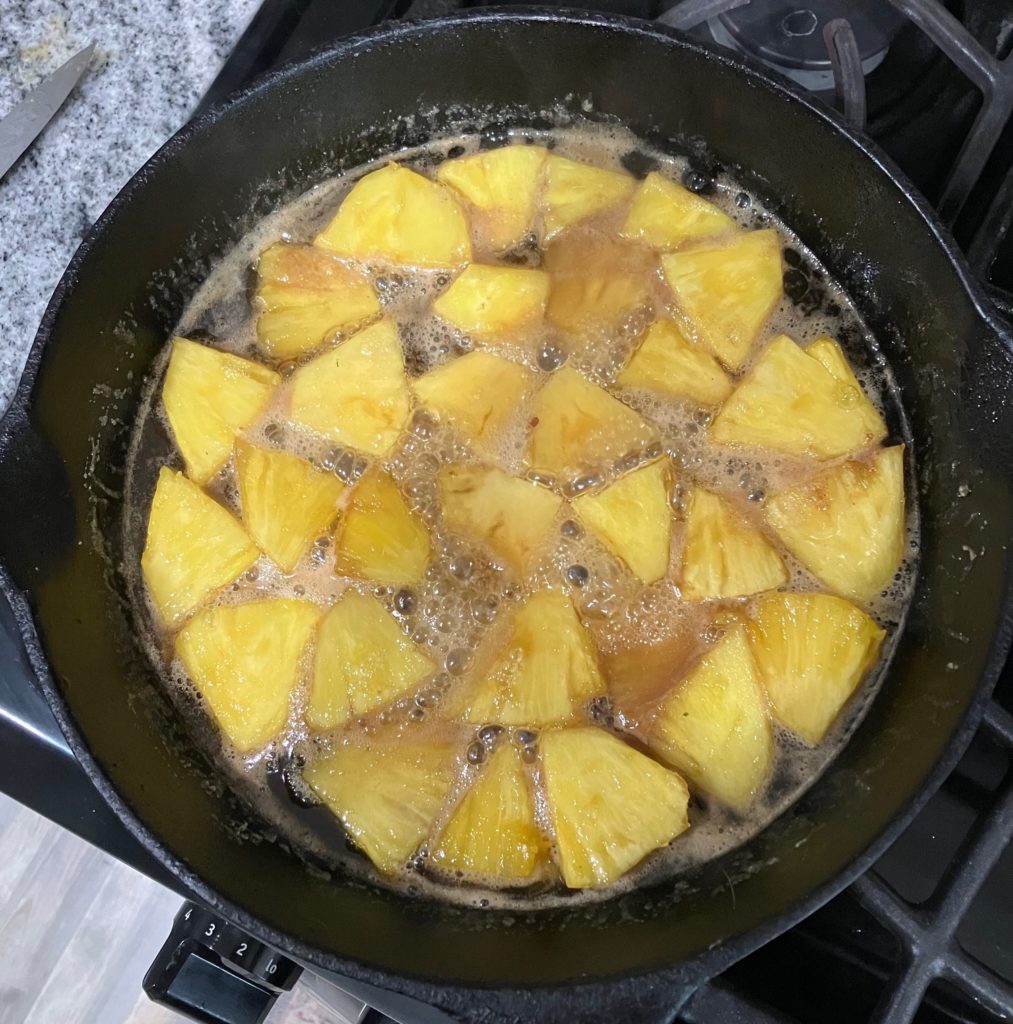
78,930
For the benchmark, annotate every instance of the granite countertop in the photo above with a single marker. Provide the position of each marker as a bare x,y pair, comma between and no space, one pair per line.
153,61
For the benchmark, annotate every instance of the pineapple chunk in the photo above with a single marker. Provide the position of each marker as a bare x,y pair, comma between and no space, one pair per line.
595,284
503,185
664,215
802,403
512,516
363,661
307,295
544,672
479,393
667,362
356,394
398,215
486,301
846,525
642,674
724,556
610,804
246,660
633,517
209,397
715,726
286,502
493,833
378,538
574,191
579,425
193,547
386,795
726,290
812,651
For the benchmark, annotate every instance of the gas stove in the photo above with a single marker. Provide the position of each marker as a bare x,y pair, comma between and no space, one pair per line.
927,934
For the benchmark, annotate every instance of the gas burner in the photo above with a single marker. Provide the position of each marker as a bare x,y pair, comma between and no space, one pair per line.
788,35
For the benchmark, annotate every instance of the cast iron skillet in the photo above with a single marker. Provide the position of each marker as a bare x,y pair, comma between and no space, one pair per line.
637,957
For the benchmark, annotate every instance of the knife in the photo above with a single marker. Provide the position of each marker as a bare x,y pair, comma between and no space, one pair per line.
24,122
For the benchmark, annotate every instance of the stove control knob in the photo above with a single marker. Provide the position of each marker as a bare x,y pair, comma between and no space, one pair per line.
214,973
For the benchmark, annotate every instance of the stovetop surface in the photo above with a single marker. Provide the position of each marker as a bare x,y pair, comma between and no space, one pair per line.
843,961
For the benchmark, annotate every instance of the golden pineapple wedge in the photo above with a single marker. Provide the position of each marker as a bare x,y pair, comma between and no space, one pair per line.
513,517
633,517
667,362
725,290
355,394
246,660
286,502
574,191
193,547
664,215
209,397
723,555
502,185
479,393
378,538
579,426
487,301
543,674
715,726
387,794
493,833
594,284
812,651
363,661
801,402
609,804
306,295
397,215
846,525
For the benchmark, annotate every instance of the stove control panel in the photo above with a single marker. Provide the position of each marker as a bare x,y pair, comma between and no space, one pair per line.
213,973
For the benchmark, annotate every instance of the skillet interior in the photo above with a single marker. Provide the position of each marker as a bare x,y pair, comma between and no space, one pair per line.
398,86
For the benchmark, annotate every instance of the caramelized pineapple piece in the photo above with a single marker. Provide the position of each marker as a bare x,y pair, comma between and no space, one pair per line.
306,296
487,301
209,397
479,393
246,660
395,214
379,538
723,556
356,394
644,673
664,215
493,833
193,547
812,651
792,401
512,516
715,725
610,804
387,795
286,502
846,525
668,362
726,290
574,191
363,661
544,672
579,425
595,285
633,517
503,185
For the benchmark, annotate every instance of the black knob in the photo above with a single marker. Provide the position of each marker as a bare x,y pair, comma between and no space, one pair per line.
212,972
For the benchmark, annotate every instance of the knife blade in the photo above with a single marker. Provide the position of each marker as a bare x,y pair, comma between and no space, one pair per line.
25,120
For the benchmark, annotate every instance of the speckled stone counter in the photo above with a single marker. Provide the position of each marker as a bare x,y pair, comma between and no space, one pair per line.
153,61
